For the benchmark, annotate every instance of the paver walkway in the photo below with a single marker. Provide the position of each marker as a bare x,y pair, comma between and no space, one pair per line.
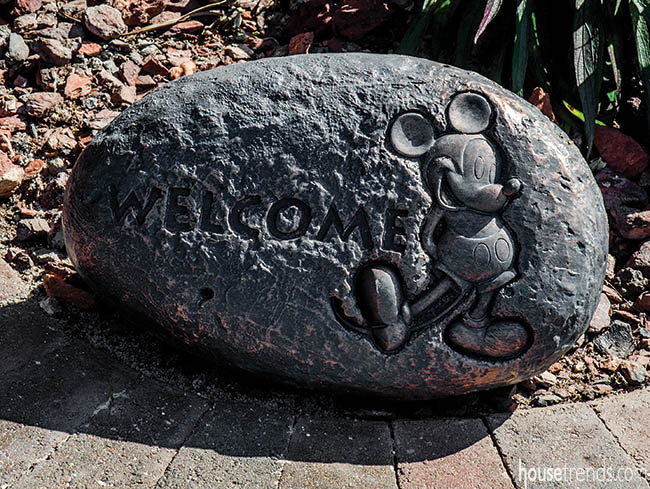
72,415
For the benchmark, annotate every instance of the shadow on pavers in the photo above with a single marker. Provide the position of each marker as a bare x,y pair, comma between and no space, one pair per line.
90,373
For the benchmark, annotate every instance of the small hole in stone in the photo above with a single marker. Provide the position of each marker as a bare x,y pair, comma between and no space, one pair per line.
206,294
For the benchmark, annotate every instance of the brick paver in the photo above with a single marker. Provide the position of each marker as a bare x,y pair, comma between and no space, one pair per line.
337,453
563,446
236,444
448,454
128,442
26,335
627,416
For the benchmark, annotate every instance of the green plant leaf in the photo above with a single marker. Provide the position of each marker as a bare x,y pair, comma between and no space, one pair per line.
588,61
413,38
618,6
520,55
640,11
464,47
491,9
579,114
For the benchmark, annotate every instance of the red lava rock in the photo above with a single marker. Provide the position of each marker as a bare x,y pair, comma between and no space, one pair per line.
77,86
356,18
311,16
165,16
33,169
62,289
640,259
177,4
9,107
27,6
632,223
621,152
13,123
11,176
601,318
129,72
145,82
154,67
187,27
124,95
642,304
60,138
31,229
301,43
140,12
178,56
39,104
90,49
540,99
104,21
102,119
57,51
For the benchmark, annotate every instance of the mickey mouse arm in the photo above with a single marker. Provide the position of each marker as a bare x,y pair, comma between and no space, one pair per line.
430,225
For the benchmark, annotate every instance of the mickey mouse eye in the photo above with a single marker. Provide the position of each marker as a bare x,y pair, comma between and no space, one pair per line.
469,113
411,134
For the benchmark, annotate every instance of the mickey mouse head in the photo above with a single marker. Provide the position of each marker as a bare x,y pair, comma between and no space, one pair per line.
412,133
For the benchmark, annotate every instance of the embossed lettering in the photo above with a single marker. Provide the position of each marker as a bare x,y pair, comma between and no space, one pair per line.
235,218
274,213
132,202
360,221
176,210
206,224
394,229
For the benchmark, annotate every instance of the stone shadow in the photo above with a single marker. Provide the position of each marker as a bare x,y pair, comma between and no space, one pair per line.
78,375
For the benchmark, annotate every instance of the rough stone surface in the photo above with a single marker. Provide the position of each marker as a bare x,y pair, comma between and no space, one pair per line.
569,438
252,210
448,453
339,453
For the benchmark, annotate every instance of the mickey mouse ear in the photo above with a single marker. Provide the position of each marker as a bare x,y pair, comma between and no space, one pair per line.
469,113
411,134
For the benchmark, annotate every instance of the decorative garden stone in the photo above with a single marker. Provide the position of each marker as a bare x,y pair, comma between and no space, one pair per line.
372,224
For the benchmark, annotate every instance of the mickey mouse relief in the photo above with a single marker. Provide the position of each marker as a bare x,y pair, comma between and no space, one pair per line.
472,250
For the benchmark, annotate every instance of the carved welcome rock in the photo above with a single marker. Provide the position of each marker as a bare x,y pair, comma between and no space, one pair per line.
372,224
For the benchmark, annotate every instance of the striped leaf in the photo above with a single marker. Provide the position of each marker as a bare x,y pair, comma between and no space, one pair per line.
640,11
520,55
491,9
588,49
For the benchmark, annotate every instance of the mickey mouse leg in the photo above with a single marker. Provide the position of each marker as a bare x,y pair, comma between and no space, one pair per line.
380,298
476,334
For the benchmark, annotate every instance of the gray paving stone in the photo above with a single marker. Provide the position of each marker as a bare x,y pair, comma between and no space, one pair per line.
339,453
12,286
236,444
21,446
128,442
45,400
448,453
562,447
26,335
627,417
63,389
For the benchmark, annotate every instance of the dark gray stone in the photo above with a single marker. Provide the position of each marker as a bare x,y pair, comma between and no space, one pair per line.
618,340
376,224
